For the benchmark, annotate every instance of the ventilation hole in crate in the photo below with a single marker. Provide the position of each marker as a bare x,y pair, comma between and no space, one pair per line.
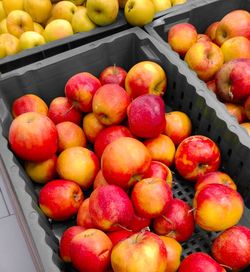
208,127
199,116
241,164
218,139
182,95
229,152
190,105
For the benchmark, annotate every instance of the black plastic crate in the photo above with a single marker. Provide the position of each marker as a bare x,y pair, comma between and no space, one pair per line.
47,79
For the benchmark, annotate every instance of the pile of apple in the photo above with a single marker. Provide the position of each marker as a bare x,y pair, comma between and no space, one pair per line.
104,155
220,57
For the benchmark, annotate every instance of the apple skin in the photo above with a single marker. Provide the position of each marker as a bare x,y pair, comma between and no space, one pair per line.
59,191
181,37
197,261
113,74
211,31
39,10
162,5
110,104
246,126
33,137
64,246
237,111
90,251
30,39
63,10
84,165
83,218
211,85
148,191
177,221
205,58
80,89
195,156
108,135
61,110
139,223
232,80
124,162
57,29
234,23
29,102
146,77
99,180
217,207
203,37
110,208
9,44
232,248
119,235
80,20
10,5
143,251
146,116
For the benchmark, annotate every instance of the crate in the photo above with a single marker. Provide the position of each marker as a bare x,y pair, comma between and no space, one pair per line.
47,79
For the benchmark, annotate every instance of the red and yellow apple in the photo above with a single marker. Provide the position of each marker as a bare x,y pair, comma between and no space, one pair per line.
83,218
113,74
237,111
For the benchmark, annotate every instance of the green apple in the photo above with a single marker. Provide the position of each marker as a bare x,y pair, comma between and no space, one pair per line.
139,12
161,5
81,22
102,12
30,39
64,10
57,29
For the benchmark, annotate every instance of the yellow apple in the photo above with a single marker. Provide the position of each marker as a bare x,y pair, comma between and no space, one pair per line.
81,22
39,10
30,39
10,5
2,12
3,27
10,42
57,29
38,28
2,51
102,12
139,12
122,3
64,10
178,2
19,21
161,5
77,2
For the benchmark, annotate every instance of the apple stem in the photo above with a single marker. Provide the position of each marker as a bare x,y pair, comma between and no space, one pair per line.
69,109
191,210
167,219
170,234
115,69
122,227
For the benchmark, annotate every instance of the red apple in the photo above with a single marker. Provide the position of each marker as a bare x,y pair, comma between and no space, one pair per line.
247,107
217,207
203,37
33,137
110,208
119,235
146,77
200,261
148,191
211,31
139,223
29,102
59,191
108,135
61,110
124,161
90,251
211,85
113,74
196,156
232,248
80,90
110,104
99,180
176,222
143,251
146,116
83,218
237,111
64,246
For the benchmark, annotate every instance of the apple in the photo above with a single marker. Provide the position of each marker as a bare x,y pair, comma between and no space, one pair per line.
64,10
30,39
161,5
178,126
142,251
38,28
102,12
146,77
56,192
139,223
2,11
178,2
162,149
33,137
119,235
177,221
217,207
110,208
216,177
99,180
57,29
80,89
174,251
3,27
41,172
124,161
234,23
232,248
90,251
113,74
195,156
28,102
205,58
92,126
148,191
211,85
139,12
246,106
38,10
211,31
199,261
246,126
61,110
108,135
65,241
236,47
181,37
237,111
10,5
80,21
232,80
83,218
110,104
203,37
78,164
69,135
9,45
146,116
